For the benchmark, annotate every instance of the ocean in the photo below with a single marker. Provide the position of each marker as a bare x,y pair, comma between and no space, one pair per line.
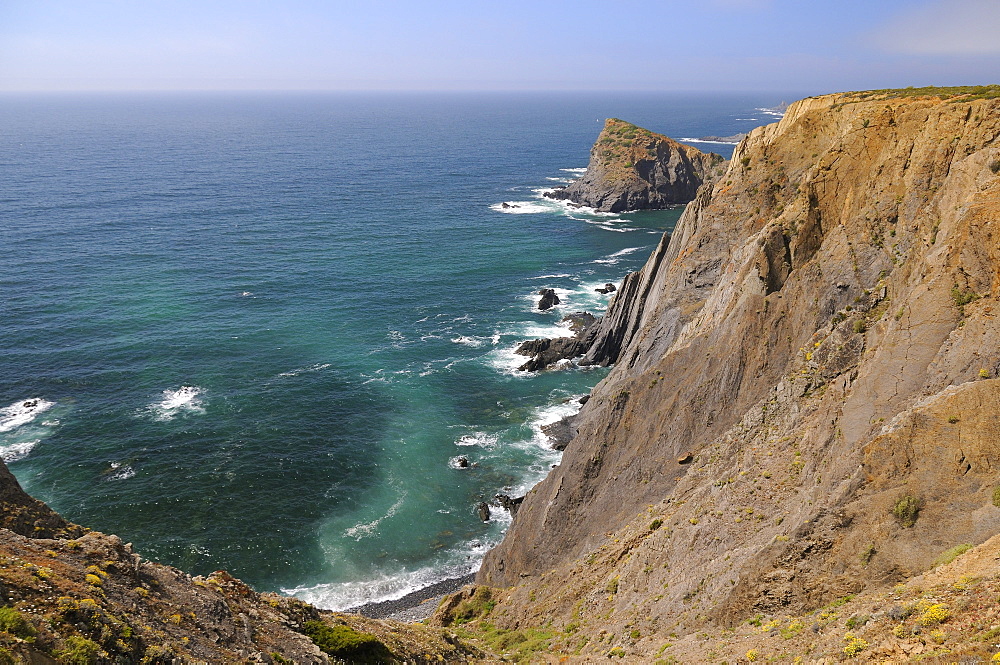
256,332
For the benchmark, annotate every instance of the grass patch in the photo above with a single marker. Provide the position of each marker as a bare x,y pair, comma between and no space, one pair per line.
479,605
346,643
521,646
958,93
951,554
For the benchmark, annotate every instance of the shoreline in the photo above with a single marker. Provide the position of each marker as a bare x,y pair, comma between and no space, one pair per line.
414,606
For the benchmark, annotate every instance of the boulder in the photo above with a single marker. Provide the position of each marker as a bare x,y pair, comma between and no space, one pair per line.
548,299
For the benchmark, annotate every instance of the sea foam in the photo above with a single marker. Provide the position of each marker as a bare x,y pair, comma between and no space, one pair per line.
183,401
19,430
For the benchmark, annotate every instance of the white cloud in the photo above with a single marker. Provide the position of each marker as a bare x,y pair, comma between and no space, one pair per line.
944,27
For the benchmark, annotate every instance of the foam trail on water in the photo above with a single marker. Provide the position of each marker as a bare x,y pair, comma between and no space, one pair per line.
359,531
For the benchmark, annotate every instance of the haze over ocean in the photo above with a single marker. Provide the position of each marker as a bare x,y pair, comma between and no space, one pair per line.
254,331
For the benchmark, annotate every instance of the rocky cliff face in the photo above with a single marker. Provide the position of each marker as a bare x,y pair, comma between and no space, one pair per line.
805,401
634,169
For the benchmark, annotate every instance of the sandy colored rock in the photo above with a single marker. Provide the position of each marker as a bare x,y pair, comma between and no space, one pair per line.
820,333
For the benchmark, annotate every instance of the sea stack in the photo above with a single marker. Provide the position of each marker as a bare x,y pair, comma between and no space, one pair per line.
635,169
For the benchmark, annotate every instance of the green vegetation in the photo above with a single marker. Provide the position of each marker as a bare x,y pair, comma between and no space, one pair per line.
657,523
959,93
951,554
346,643
478,605
907,509
963,297
996,496
868,553
15,623
79,651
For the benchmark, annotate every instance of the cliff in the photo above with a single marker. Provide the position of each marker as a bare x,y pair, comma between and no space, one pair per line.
71,595
635,169
804,403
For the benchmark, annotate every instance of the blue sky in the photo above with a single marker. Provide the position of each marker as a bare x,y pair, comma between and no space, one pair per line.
760,45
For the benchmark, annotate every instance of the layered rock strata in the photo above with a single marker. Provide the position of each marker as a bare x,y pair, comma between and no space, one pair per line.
635,169
820,334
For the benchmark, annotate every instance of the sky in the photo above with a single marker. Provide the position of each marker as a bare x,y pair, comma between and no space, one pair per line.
669,45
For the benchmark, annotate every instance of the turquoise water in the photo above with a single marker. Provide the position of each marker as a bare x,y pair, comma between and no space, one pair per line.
254,332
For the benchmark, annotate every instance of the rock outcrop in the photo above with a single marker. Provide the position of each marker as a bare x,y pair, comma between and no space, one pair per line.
819,341
635,169
547,351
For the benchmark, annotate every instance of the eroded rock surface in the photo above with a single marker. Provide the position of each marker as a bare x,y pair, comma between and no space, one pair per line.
819,340
635,169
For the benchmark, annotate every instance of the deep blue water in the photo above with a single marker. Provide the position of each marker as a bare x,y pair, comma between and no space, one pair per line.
255,331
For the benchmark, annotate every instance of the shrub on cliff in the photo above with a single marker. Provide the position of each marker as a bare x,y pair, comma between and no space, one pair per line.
907,509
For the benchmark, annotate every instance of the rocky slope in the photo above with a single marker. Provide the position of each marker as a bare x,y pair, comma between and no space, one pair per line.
804,403
71,595
635,169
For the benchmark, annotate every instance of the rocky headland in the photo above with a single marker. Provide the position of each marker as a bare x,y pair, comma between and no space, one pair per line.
635,169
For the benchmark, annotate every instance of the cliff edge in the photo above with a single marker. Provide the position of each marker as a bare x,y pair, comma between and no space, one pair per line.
805,401
635,169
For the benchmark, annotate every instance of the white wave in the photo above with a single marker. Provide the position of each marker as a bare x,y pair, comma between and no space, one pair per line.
15,451
359,531
522,207
22,412
612,259
748,119
312,368
481,439
392,586
581,171
687,140
184,400
246,294
120,471
772,112
465,340
564,274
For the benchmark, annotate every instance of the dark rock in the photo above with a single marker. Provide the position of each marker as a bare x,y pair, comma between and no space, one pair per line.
735,138
483,509
561,432
579,321
685,459
510,504
584,399
634,169
548,300
608,288
462,462
545,352
508,205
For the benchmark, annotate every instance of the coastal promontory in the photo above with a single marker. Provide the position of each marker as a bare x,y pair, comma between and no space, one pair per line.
635,169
